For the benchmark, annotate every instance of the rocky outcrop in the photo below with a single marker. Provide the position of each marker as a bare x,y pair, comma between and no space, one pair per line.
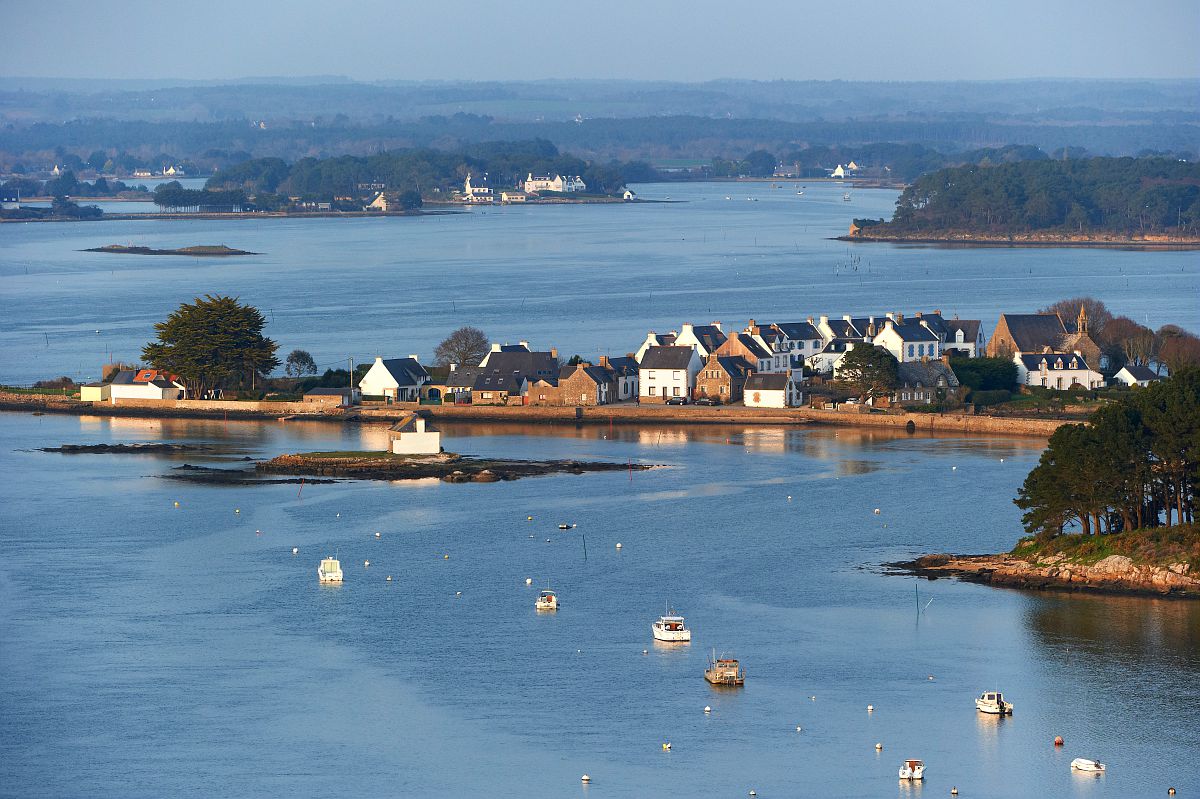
1113,574
449,467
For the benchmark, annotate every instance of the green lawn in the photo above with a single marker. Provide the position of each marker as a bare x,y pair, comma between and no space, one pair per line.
1157,546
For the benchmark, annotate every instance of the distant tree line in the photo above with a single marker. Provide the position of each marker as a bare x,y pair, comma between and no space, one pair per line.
1125,195
173,195
1134,464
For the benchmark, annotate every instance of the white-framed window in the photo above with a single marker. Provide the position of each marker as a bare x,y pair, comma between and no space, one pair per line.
583,397
485,394
675,375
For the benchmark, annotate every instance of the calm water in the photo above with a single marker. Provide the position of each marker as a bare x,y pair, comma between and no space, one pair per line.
155,651
587,279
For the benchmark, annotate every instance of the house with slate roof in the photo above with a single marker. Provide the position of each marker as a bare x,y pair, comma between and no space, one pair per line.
723,378
772,391
655,340
743,345
625,372
394,379
520,346
925,382
1057,370
706,339
1134,375
907,339
412,435
145,384
667,372
508,376
1026,333
964,336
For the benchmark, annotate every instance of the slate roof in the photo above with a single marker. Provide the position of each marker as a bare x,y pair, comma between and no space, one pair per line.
843,329
766,382
495,380
709,336
667,358
408,424
406,371
1034,332
463,378
1070,361
532,365
926,373
624,366
911,330
1142,372
935,322
734,365
969,328
752,346
598,374
799,331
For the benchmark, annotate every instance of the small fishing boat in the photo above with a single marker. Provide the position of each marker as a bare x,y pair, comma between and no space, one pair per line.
993,702
330,571
547,600
912,770
724,671
799,191
1083,764
846,197
670,628
565,526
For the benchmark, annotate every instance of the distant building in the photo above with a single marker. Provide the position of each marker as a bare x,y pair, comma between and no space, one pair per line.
628,196
668,372
772,391
513,196
1057,370
1136,376
174,171
10,199
382,202
413,436
395,379
94,392
145,384
333,397
924,382
1026,333
477,190
558,183
839,172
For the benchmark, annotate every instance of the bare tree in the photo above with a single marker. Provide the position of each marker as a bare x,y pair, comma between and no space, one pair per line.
465,346
1178,349
1098,314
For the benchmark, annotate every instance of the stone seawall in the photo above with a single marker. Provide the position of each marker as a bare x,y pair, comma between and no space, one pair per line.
1113,574
602,414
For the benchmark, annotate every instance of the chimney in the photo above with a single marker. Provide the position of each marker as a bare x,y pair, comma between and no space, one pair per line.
415,358
891,316
378,359
554,352
453,366
717,325
750,325
687,327
945,357
846,317
824,320
495,347
524,344
810,320
919,315
900,318
604,361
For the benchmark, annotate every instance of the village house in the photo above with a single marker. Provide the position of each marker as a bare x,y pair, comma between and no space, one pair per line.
776,390
655,340
145,384
507,376
585,384
625,373
924,382
1057,370
511,196
907,339
478,190
558,183
705,339
1026,333
331,397
520,346
10,199
723,378
827,360
743,345
668,372
383,201
394,379
94,392
1134,375
965,337
413,436
493,387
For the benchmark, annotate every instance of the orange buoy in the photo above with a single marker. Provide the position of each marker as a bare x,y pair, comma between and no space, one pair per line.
1058,741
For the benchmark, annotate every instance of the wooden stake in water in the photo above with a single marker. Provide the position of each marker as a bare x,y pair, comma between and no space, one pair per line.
298,493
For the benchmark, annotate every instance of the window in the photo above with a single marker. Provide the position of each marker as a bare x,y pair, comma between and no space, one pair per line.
583,397
910,350
675,391
920,349
485,394
674,375
650,391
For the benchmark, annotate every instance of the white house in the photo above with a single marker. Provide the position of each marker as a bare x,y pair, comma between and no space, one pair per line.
800,340
558,183
380,202
174,171
705,339
477,190
667,372
1136,376
908,339
964,336
395,379
411,436
625,373
771,391
827,360
1057,370
145,384
628,196
840,172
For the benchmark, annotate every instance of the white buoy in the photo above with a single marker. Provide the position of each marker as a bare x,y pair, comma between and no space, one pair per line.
366,563
753,792
445,557
813,698
878,747
799,728
237,510
877,511
618,545
389,578
789,497
645,651
528,518
458,593
931,676
1002,460
337,515
707,709
870,708
528,581
547,540
177,504
585,778
954,468
295,550
954,791
379,535
258,532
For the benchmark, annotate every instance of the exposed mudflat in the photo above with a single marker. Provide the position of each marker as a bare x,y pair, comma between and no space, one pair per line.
138,449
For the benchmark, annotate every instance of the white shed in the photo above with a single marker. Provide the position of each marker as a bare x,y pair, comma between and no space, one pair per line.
412,436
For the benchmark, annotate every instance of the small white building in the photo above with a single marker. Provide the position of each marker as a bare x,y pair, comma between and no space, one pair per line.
1057,370
558,183
840,172
478,190
395,379
412,436
628,196
771,391
668,372
1136,376
94,392
380,202
145,384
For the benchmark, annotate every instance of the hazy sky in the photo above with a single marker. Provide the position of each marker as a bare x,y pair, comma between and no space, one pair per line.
640,39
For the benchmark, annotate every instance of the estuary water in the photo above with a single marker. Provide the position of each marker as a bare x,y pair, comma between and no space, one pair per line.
155,649
585,279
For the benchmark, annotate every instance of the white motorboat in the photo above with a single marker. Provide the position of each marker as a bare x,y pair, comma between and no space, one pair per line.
912,770
547,600
330,571
846,198
671,628
1083,764
993,702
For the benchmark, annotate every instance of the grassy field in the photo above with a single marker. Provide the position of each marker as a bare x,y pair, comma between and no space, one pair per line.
1155,546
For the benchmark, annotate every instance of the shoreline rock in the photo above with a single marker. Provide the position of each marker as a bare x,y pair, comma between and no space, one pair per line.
448,467
1115,574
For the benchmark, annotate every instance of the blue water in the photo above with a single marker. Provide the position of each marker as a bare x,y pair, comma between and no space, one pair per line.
150,650
585,279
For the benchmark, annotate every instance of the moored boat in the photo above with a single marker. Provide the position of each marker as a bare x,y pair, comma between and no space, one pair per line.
330,571
912,770
547,600
724,671
1083,764
993,702
671,629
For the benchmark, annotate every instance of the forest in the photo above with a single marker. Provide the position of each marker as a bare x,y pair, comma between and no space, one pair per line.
1133,465
1071,196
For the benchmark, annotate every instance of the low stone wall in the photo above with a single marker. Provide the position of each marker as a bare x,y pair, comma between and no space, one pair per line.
234,406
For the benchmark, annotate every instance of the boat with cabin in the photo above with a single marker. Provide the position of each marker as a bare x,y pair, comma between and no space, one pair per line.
993,702
330,571
547,600
671,629
912,770
1083,764
724,671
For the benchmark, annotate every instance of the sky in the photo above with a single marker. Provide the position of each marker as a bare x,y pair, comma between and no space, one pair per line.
628,39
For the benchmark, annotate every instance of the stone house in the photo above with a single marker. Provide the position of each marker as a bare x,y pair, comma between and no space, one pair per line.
743,345
924,382
1134,375
1026,333
723,377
